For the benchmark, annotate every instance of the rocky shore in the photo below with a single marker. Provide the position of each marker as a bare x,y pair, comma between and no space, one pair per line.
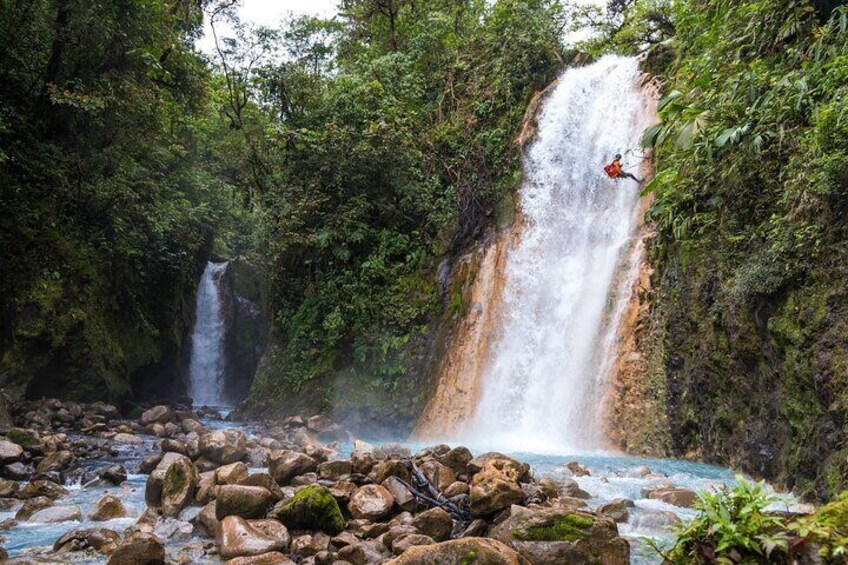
300,490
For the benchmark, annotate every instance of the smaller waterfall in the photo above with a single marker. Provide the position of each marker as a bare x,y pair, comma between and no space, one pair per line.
206,370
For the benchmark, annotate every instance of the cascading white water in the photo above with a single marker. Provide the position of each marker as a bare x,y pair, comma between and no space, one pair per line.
562,294
206,369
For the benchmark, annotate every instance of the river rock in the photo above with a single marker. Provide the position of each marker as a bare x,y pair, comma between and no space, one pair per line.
403,497
616,510
515,470
271,558
404,542
495,487
17,471
284,465
371,502
364,553
440,476
390,468
10,452
264,480
557,536
31,506
238,537
335,470
660,520
343,490
223,446
672,495
58,462
311,508
54,514
435,523
100,539
462,552
40,488
569,488
139,549
309,544
23,437
190,425
128,439
244,501
231,474
108,507
156,415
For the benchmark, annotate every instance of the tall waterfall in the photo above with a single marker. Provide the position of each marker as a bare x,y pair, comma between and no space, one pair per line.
567,276
206,369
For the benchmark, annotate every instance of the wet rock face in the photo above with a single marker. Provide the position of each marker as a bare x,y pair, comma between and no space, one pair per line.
247,327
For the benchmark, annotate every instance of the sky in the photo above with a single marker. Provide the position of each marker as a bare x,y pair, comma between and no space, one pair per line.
270,12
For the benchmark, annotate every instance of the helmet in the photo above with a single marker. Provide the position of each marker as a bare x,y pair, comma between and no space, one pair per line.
618,156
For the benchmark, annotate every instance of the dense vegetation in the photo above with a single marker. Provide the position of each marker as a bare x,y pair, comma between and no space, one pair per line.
106,209
751,200
347,158
744,525
387,147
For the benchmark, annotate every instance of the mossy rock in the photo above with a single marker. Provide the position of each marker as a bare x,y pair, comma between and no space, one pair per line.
565,527
311,508
24,438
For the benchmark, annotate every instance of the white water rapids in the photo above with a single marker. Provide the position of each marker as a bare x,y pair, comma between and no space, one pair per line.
567,278
206,369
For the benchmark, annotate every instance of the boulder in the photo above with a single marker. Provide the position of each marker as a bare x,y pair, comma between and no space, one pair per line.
308,545
517,471
404,542
55,514
577,469
108,507
616,510
364,553
435,523
10,452
311,508
40,488
139,549
244,501
99,539
58,462
440,476
371,502
495,487
570,488
31,506
190,425
403,497
284,465
208,519
658,521
128,439
335,470
390,468
238,537
271,558
457,459
156,415
23,437
223,446
469,551
264,480
556,536
672,495
231,474
17,471
172,485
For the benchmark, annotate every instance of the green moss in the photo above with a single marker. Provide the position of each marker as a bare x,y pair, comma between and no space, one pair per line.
24,438
469,559
311,508
569,527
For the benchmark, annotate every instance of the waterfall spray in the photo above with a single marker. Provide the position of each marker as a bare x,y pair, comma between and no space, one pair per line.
563,289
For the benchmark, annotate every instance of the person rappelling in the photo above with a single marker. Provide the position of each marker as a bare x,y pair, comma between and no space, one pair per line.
614,171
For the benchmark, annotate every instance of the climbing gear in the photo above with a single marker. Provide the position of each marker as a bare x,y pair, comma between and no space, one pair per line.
612,171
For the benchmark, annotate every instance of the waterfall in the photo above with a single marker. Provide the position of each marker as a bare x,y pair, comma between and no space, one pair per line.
567,276
206,369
